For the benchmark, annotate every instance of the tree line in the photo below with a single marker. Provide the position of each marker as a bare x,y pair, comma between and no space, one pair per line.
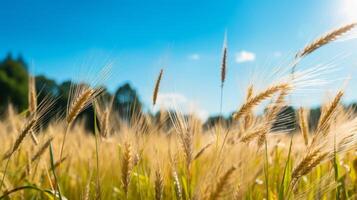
14,77
126,101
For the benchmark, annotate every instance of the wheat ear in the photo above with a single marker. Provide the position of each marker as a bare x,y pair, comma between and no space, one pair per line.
157,87
201,151
159,185
307,165
32,101
187,146
126,167
325,39
32,95
329,112
251,134
248,118
79,104
326,117
26,129
221,184
304,126
42,149
224,61
254,101
177,184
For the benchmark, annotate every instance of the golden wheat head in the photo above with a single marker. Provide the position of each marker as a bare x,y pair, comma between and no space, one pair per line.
255,100
325,39
224,61
157,87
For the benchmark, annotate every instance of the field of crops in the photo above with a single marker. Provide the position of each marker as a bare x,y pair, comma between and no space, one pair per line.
173,156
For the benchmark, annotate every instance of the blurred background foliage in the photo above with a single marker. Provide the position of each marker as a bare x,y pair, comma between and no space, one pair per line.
127,104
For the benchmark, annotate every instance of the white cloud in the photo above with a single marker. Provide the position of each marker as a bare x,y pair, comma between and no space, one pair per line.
244,56
194,56
168,100
177,101
277,54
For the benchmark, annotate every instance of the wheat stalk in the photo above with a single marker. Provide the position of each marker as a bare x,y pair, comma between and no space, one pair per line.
276,106
28,166
83,98
314,163
177,185
223,70
262,137
329,112
254,101
103,111
79,104
87,188
25,130
126,167
157,87
159,185
250,135
187,146
32,95
201,151
304,126
32,101
325,39
33,137
105,124
248,118
326,117
221,184
304,163
59,162
305,166
224,61
42,149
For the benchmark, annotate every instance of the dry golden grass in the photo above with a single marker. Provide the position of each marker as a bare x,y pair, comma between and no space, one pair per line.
175,157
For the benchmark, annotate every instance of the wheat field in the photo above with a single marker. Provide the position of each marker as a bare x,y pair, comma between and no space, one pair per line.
175,157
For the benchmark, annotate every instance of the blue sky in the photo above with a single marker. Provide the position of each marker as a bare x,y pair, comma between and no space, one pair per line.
183,36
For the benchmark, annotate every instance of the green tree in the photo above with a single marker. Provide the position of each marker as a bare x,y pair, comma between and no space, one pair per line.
13,83
127,102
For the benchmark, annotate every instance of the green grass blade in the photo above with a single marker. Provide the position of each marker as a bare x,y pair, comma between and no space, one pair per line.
54,172
26,187
282,185
97,154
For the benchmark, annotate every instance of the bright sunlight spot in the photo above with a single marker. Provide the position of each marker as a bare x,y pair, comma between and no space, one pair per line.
349,9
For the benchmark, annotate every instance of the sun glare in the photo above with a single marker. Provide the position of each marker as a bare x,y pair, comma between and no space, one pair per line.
349,9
